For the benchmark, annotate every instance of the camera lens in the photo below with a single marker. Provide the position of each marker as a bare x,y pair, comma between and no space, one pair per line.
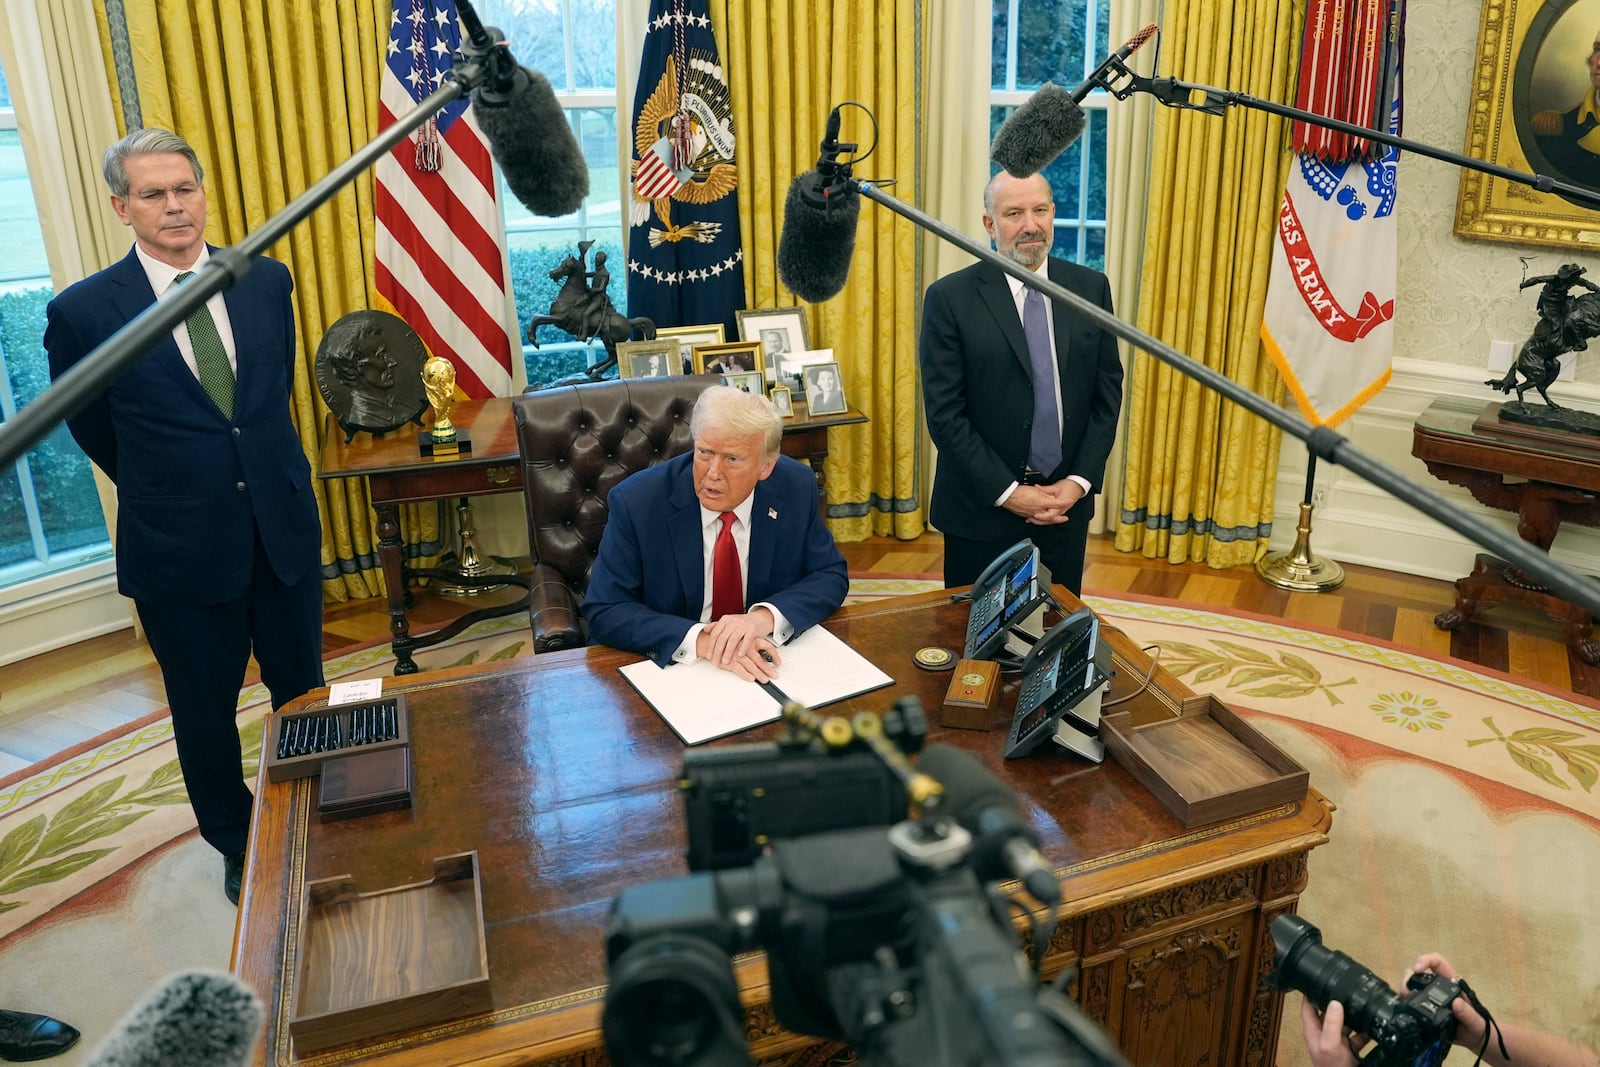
672,1001
1301,963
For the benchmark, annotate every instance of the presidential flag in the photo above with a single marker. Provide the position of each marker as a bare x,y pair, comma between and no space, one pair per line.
1329,315
685,266
438,256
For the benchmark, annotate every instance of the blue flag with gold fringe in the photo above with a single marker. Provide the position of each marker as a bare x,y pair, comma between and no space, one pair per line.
685,266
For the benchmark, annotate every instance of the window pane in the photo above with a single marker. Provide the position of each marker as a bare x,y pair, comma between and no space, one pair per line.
1050,43
19,220
997,60
536,33
1064,175
1096,142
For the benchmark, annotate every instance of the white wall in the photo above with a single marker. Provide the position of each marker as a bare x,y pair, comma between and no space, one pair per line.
1453,298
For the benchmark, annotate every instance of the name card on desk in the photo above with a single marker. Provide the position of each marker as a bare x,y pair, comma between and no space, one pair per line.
702,702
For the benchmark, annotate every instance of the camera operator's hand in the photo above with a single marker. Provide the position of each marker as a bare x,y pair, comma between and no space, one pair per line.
1469,1024
1523,1045
740,644
1326,1038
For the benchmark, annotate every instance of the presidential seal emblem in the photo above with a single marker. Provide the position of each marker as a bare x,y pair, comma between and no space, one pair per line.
683,148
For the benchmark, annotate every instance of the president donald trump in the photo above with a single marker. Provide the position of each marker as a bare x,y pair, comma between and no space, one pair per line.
719,554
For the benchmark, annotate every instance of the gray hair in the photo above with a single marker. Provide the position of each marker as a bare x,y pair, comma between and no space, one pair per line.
728,410
988,190
146,142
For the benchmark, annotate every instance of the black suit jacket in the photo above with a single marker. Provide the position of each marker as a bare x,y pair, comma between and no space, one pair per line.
193,487
977,389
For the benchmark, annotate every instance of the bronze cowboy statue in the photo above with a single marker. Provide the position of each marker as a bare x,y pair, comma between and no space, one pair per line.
584,309
1566,324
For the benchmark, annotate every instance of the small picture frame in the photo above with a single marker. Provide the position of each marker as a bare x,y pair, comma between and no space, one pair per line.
660,358
731,357
781,402
781,331
751,381
711,333
824,389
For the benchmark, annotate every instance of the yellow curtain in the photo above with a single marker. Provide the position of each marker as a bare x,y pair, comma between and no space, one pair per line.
1200,473
273,94
788,63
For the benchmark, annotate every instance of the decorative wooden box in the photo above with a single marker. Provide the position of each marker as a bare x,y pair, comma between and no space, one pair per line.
1207,765
396,959
296,746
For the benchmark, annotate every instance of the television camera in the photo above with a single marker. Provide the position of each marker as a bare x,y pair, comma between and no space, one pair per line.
882,937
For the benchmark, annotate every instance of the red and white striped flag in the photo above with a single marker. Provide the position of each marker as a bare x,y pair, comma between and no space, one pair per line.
439,229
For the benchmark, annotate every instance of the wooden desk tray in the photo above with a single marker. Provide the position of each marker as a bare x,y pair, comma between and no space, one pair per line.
1207,765
369,726
399,958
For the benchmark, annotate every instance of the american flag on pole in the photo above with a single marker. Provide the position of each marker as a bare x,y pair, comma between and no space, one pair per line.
438,261
685,266
1329,315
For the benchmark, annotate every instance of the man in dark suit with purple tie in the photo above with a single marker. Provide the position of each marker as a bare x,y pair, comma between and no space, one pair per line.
655,586
1022,397
218,541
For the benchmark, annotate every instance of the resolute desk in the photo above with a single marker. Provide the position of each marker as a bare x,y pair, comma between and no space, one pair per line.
563,780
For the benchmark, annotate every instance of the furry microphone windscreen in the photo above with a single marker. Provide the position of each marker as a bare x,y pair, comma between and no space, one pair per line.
817,241
1038,131
193,1019
535,147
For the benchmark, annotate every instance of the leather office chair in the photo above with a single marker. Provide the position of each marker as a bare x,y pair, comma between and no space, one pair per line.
577,442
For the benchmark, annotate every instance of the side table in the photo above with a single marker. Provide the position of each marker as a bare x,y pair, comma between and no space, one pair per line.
1545,479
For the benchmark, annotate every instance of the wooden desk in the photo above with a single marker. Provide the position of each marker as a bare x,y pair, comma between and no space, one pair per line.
1541,479
563,780
397,474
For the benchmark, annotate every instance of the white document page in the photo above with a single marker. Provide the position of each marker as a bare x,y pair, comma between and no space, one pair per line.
701,702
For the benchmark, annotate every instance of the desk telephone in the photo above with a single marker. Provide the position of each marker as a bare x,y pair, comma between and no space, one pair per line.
1059,696
1004,594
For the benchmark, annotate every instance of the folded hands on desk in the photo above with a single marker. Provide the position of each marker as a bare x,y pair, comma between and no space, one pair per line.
741,644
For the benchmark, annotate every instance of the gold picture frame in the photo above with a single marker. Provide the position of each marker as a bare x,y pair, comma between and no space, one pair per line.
710,333
730,357
1529,64
782,402
638,359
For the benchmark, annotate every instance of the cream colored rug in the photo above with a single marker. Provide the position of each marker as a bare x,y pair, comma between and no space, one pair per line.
1467,820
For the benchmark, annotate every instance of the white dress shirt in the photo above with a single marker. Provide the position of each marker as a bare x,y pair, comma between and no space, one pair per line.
710,529
164,276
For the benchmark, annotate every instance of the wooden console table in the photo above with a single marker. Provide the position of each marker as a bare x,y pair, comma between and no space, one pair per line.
564,781
1545,481
398,474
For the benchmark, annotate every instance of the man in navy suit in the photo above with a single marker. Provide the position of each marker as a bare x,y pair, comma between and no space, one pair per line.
654,587
1022,402
218,541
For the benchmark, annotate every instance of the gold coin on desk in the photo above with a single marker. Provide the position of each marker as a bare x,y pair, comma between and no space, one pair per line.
933,658
972,679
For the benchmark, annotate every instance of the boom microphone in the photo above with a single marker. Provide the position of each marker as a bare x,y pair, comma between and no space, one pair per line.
530,138
1050,120
1003,845
819,224
193,1019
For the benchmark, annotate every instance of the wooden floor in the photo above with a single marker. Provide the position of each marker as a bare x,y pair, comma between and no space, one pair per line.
51,702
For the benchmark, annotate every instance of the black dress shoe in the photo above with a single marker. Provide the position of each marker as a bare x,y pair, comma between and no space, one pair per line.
33,1037
232,875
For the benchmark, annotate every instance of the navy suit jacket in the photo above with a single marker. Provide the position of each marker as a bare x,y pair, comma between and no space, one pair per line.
977,388
647,586
193,487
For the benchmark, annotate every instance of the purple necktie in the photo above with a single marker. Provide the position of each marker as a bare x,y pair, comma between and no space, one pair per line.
1044,446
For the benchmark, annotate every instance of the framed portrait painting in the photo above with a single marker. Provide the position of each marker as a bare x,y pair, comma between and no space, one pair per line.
732,357
660,358
1533,103
781,331
710,333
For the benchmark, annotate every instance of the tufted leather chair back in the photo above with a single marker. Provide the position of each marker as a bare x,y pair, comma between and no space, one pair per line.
576,443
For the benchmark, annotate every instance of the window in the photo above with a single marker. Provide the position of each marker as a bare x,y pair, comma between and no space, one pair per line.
574,44
50,519
1060,41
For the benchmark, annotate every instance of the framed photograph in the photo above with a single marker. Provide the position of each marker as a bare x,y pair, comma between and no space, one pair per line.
731,357
1533,80
711,333
751,381
824,389
649,359
781,401
781,331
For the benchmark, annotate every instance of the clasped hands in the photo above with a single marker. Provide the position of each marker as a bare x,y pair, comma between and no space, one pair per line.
1044,505
742,645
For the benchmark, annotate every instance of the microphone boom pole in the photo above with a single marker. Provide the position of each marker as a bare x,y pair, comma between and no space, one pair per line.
226,267
1320,441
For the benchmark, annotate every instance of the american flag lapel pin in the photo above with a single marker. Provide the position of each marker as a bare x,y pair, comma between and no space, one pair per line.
772,513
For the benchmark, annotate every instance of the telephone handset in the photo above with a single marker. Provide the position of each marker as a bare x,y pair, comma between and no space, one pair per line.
1064,668
1007,590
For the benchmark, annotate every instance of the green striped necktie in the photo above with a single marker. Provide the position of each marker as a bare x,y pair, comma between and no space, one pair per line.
210,358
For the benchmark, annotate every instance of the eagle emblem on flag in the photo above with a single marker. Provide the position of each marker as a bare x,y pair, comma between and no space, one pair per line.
683,144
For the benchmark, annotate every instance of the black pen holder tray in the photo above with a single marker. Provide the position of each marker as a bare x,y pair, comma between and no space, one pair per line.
297,744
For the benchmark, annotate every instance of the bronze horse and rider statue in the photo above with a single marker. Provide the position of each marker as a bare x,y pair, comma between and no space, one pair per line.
1566,324
583,308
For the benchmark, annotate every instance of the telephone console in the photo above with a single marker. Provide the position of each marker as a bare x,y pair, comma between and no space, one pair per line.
1004,594
1059,695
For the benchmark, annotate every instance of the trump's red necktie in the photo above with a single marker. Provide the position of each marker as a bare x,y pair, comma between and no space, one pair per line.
727,588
